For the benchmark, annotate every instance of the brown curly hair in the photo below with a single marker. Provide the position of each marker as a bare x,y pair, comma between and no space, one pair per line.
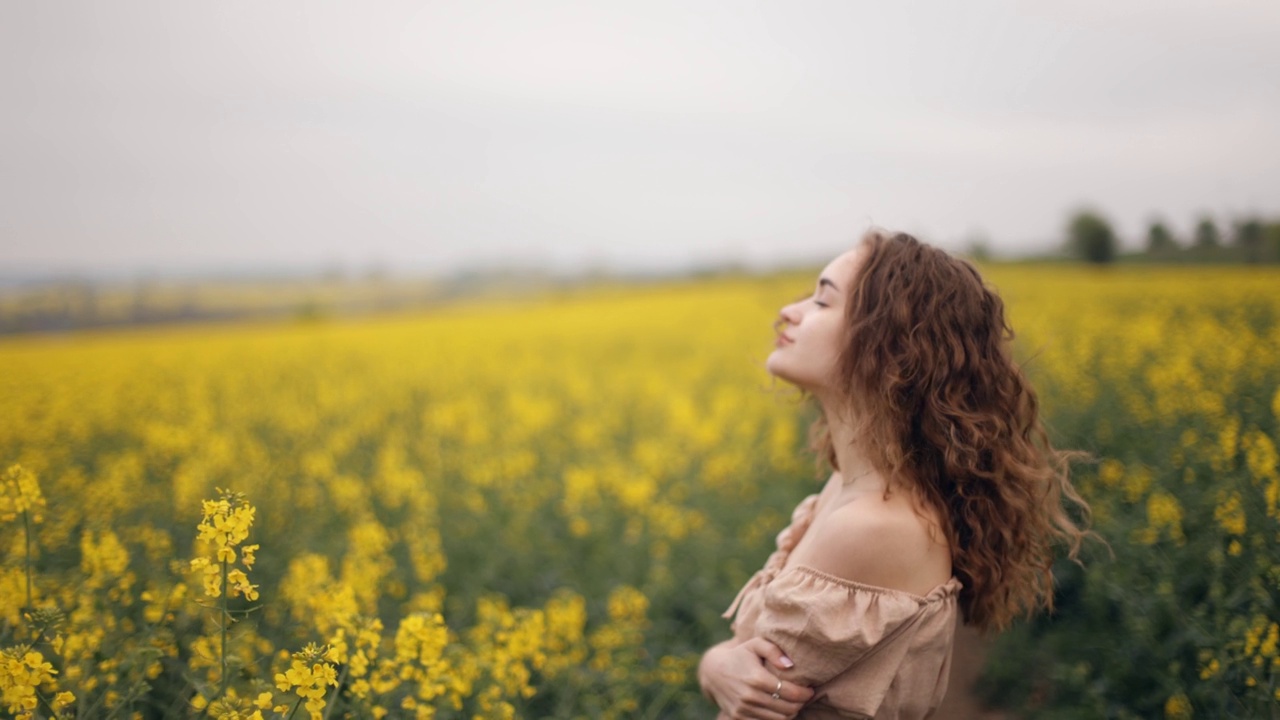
944,410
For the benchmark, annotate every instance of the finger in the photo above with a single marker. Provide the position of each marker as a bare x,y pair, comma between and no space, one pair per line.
771,653
795,693
779,698
791,691
783,703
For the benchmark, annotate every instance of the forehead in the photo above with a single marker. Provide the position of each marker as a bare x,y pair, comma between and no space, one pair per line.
842,268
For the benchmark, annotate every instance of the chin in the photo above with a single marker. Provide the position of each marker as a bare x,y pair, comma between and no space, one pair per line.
779,370
771,364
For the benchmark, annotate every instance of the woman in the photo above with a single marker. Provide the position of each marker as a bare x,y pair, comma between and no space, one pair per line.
945,500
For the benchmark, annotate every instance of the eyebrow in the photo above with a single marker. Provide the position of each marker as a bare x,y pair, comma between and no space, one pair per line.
825,281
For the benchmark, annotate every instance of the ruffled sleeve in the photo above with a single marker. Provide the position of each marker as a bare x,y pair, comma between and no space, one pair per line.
826,624
849,640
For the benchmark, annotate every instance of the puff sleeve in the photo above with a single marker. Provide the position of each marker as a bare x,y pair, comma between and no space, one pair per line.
850,641
826,624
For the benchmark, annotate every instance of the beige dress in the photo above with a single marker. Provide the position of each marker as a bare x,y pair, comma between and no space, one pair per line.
868,651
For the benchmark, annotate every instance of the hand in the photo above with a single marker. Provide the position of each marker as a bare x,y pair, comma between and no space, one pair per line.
741,680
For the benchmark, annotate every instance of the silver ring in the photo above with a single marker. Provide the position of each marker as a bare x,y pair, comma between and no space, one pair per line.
777,690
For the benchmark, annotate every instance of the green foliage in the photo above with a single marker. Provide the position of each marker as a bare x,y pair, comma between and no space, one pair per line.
1160,239
1253,239
1206,233
1090,237
1249,237
1271,239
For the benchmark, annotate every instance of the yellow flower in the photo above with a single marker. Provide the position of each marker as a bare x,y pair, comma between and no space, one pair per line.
1164,514
309,676
225,523
20,493
628,604
1178,707
1230,514
22,671
240,584
1111,472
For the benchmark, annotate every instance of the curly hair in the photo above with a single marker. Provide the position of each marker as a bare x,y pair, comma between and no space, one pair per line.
943,409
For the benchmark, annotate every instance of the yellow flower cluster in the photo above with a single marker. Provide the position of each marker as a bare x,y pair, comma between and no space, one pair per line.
420,643
20,495
566,619
509,645
309,677
1164,518
22,673
358,653
1260,643
232,707
224,526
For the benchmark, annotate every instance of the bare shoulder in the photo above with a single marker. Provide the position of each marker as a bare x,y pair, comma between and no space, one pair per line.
877,543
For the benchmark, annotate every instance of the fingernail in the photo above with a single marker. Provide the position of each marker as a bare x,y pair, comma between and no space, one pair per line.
787,661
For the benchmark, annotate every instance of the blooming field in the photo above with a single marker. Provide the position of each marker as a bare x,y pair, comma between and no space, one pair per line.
539,510
1171,378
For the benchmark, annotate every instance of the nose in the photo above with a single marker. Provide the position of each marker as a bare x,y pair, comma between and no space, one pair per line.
788,315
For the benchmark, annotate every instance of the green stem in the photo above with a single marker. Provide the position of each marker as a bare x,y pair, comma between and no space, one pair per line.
26,524
222,626
655,709
342,677
48,705
295,709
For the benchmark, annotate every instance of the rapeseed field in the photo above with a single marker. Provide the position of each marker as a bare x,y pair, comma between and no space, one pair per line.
540,508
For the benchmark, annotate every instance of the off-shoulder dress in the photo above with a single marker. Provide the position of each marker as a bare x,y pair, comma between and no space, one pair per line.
868,651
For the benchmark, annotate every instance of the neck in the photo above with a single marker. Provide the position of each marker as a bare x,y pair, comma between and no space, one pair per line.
856,468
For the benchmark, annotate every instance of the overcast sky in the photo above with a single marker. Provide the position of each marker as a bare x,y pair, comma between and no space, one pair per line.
145,136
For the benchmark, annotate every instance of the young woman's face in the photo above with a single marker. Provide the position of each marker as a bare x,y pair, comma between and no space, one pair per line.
811,331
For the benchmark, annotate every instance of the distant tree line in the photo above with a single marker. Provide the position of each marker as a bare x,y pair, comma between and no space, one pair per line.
1250,239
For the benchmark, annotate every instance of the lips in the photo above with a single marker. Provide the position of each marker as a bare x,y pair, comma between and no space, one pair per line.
783,339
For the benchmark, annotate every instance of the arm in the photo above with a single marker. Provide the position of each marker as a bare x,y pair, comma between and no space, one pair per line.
741,679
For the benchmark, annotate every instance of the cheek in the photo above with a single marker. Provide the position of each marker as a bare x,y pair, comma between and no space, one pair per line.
830,338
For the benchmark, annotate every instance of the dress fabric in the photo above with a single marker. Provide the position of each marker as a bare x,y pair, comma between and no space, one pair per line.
867,651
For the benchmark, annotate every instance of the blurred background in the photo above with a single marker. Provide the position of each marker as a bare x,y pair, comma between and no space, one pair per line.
357,146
